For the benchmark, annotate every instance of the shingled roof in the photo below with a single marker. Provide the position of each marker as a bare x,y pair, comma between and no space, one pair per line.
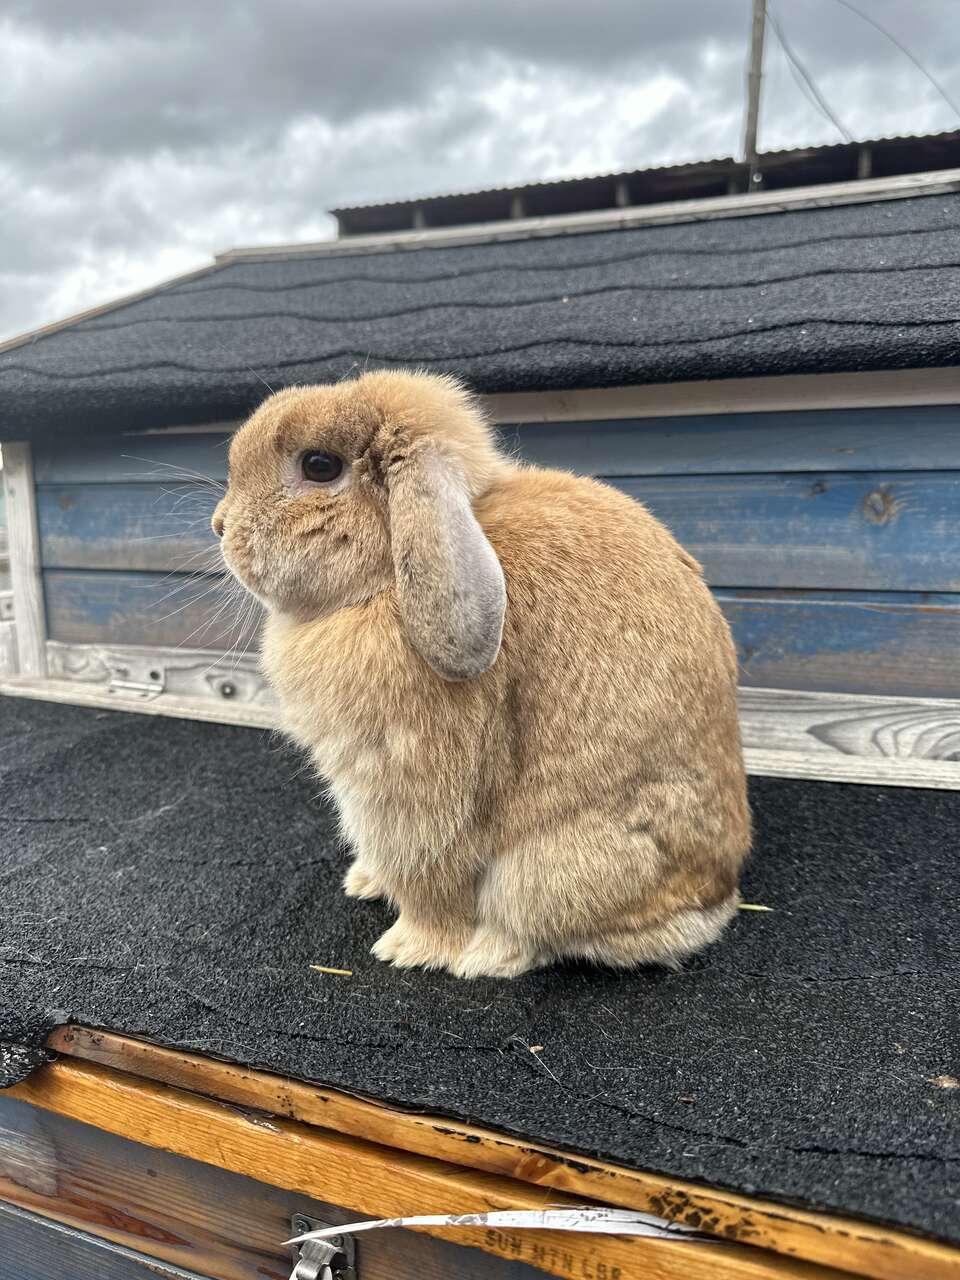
863,286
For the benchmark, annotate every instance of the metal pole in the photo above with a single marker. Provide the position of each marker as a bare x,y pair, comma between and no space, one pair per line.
754,77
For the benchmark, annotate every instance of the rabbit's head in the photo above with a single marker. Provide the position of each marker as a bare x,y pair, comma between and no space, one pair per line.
338,493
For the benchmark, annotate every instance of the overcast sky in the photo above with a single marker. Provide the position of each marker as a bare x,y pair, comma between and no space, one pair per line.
137,138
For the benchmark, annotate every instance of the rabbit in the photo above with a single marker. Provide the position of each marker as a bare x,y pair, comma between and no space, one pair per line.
517,684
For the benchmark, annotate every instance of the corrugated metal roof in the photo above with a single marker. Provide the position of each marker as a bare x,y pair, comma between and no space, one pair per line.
537,184
785,167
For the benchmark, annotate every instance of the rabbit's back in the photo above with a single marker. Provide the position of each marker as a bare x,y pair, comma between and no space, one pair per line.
608,615
618,704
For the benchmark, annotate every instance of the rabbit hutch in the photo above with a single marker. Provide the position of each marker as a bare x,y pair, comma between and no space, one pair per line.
200,1058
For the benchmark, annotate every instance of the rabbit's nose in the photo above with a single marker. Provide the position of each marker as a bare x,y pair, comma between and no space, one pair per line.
216,524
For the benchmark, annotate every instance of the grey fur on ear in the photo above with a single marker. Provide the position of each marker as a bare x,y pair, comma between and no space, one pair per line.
450,584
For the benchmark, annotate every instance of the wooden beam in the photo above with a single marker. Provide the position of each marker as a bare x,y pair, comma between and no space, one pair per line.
899,742
856,1247
787,734
24,551
75,693
931,774
883,389
376,1181
8,650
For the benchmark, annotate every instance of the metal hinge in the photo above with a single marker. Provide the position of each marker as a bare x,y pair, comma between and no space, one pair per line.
137,684
332,1259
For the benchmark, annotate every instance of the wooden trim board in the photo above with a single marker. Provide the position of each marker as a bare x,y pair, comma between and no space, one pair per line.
8,650
886,388
826,737
932,775
899,742
376,1181
75,693
24,553
854,1246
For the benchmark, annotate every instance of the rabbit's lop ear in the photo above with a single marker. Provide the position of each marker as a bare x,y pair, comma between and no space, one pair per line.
450,584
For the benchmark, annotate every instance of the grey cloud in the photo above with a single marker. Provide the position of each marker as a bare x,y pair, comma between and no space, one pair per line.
137,139
115,78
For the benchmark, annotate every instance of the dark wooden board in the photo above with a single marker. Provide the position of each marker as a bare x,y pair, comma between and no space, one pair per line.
37,1248
196,1216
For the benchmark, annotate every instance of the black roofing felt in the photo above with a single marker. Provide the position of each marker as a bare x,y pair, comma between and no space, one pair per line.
176,880
865,286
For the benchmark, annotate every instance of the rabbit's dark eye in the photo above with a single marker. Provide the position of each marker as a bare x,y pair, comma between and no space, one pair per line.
321,468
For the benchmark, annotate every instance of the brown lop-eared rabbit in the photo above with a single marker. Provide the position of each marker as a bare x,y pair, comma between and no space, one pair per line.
515,681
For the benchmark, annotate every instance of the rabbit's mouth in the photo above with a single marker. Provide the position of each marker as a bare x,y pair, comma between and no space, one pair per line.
244,574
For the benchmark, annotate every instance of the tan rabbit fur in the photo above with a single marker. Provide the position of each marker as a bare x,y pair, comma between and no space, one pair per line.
516,682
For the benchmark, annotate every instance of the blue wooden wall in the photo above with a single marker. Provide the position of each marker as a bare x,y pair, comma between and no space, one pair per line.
831,538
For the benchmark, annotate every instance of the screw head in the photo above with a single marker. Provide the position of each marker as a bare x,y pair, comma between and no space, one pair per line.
334,1241
227,690
301,1226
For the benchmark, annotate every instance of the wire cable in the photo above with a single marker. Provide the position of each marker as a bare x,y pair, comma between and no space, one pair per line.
819,100
906,52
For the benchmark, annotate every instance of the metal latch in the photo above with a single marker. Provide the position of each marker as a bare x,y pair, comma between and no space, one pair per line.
332,1259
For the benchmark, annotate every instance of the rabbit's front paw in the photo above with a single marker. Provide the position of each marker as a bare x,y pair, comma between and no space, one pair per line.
407,945
361,883
490,954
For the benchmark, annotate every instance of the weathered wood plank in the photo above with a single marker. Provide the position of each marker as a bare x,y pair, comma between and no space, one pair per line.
148,609
879,389
186,1214
858,1247
845,530
199,458
121,526
36,1248
24,553
233,679
251,715
823,724
8,648
800,762
889,439
865,531
901,644
881,439
883,643
934,775
374,1180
